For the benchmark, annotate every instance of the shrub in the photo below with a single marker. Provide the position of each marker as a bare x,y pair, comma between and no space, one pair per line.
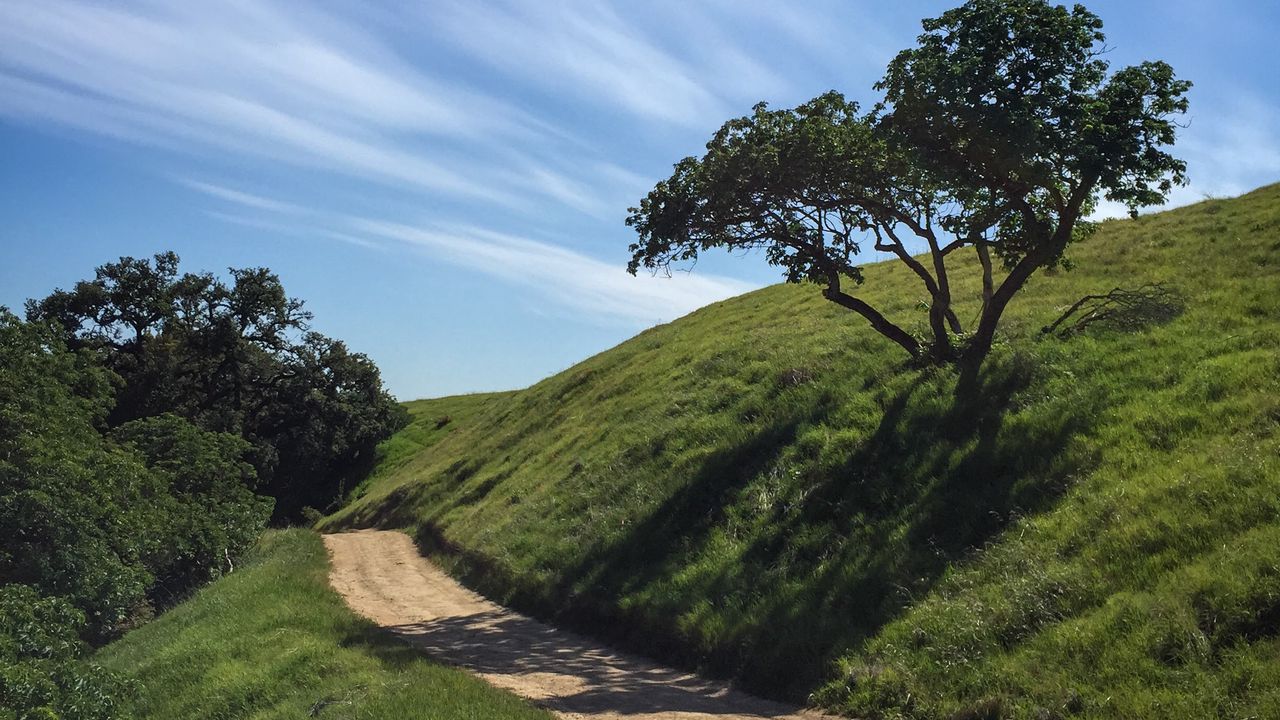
41,674
207,515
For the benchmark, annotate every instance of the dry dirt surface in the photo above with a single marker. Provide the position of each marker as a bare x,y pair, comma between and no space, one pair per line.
383,577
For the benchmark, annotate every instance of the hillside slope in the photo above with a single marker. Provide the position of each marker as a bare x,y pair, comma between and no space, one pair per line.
273,640
765,490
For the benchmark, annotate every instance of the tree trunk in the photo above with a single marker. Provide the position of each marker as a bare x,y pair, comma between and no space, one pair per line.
940,314
943,296
942,350
881,324
984,257
996,302
984,334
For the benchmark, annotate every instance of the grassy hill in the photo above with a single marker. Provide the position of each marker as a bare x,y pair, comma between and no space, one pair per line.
765,490
272,640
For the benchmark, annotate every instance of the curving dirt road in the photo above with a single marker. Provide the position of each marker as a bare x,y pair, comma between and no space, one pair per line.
382,577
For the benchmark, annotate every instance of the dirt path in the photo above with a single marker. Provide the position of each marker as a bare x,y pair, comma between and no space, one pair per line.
382,577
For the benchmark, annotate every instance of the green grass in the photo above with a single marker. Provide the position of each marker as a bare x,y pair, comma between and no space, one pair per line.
429,422
763,489
272,640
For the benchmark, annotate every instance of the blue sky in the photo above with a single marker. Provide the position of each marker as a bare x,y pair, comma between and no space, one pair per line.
445,183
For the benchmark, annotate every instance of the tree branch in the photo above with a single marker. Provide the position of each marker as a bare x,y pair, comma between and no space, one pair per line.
878,321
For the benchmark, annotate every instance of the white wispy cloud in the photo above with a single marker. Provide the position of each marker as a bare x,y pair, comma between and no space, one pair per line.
345,90
290,229
807,25
580,49
239,197
1235,148
300,86
295,87
587,287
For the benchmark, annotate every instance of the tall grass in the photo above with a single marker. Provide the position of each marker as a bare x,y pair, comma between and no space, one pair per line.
272,640
763,489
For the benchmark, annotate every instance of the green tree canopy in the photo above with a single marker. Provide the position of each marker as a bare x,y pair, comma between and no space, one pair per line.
115,525
41,671
996,135
235,357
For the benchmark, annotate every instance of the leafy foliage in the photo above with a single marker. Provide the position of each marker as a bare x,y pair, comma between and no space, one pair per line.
41,673
997,134
73,507
206,512
235,358
114,525
140,415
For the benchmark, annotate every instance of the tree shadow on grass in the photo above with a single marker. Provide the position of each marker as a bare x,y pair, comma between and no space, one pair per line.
383,644
845,550
842,556
935,482
583,597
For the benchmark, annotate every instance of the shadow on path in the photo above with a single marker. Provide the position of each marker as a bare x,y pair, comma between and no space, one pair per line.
382,576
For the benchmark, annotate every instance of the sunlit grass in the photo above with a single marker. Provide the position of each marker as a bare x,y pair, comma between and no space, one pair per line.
765,490
272,640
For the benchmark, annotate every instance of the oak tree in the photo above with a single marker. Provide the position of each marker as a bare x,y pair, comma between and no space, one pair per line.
996,136
232,356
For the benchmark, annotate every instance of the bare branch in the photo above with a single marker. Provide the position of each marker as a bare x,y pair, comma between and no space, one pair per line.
1119,308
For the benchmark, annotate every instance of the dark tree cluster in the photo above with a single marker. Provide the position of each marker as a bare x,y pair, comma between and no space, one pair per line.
99,527
150,422
235,357
996,136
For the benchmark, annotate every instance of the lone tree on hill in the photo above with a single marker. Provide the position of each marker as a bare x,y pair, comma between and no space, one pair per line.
997,133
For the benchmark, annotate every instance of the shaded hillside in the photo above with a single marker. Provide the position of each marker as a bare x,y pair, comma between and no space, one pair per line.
765,490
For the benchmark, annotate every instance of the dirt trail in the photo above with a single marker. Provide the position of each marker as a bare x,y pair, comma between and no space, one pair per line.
382,577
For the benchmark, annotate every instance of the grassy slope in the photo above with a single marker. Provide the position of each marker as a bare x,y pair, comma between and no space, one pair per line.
272,640
430,422
763,489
